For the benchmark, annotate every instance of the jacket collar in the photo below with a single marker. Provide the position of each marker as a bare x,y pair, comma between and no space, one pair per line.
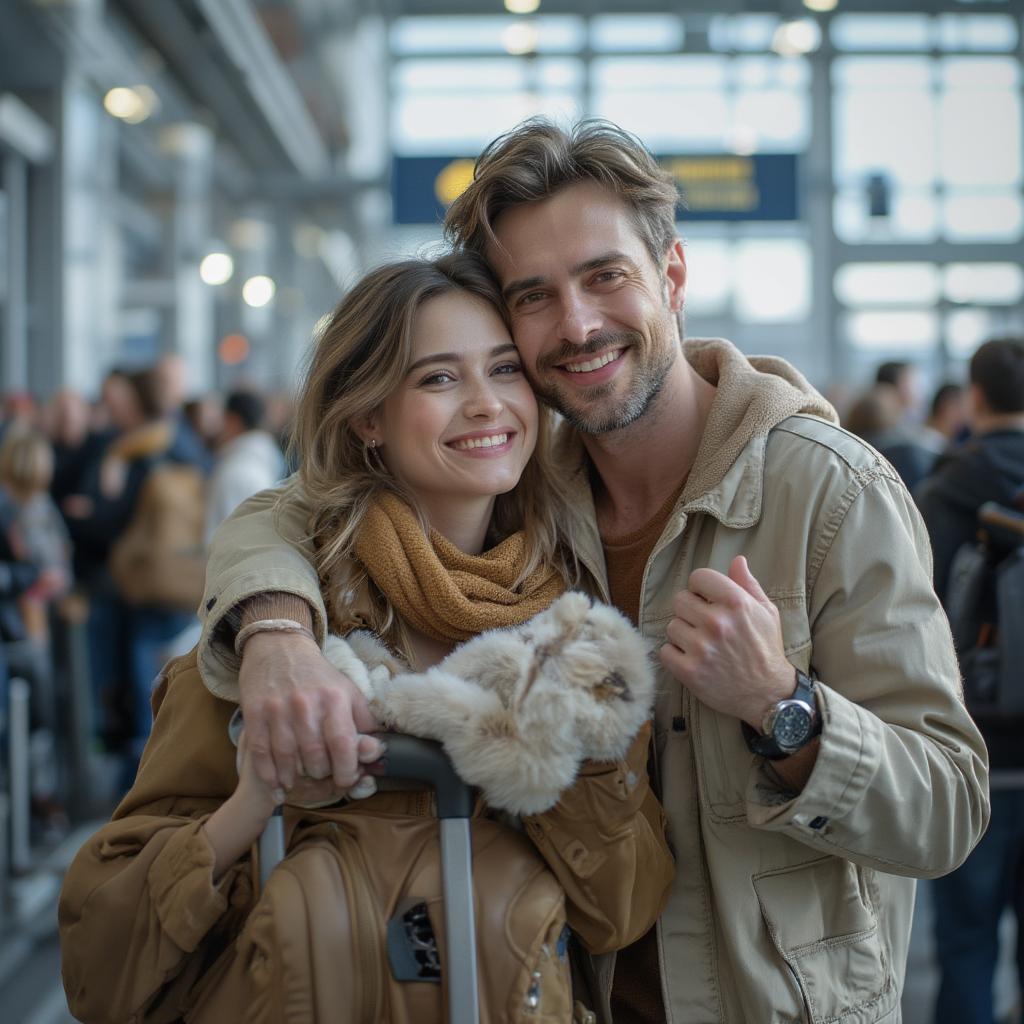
752,395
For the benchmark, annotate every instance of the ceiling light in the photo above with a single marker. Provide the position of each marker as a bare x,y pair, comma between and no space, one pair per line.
258,290
796,38
125,104
520,38
216,268
132,104
521,6
821,6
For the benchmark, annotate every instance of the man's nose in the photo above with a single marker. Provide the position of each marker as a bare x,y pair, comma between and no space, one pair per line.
580,318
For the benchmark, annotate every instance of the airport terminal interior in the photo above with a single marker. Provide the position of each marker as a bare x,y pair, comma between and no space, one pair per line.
190,186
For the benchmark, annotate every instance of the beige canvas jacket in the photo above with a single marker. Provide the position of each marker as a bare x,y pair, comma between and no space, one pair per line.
786,907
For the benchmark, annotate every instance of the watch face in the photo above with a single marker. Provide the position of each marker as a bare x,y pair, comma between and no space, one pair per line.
792,725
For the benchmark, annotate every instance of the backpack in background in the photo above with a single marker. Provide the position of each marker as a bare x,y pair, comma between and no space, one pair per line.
160,559
985,604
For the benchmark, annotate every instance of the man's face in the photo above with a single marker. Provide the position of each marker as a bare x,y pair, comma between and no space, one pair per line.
593,318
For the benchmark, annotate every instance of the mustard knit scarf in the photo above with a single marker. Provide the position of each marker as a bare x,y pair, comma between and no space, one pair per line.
440,591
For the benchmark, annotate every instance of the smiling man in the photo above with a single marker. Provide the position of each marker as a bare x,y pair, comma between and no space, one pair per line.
811,747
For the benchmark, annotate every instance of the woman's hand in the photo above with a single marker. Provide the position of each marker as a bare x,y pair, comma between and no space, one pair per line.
240,820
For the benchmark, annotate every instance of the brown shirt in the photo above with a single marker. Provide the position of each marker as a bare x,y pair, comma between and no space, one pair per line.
636,990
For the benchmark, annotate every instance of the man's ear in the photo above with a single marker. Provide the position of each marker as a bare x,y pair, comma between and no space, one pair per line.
675,275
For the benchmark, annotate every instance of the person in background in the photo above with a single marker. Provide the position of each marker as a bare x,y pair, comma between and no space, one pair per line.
187,446
248,458
947,421
36,534
75,445
205,415
125,642
969,903
905,379
877,418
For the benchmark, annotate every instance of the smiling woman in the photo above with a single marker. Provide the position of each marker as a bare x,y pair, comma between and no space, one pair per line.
416,389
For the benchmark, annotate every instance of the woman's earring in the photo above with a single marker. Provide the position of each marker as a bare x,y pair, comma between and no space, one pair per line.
371,456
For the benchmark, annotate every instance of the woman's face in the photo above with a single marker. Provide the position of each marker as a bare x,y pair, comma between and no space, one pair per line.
463,423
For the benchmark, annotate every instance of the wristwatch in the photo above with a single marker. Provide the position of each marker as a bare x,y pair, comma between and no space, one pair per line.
789,725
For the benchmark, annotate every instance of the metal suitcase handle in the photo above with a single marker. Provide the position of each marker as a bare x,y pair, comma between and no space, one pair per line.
409,757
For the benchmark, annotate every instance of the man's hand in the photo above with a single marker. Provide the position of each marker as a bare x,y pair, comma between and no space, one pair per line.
725,644
302,716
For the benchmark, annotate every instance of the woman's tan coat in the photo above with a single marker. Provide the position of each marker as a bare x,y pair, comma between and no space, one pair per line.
146,936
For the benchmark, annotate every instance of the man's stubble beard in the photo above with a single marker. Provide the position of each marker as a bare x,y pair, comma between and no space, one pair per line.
645,386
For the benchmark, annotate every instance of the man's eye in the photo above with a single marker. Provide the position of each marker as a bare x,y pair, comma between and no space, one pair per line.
607,275
528,298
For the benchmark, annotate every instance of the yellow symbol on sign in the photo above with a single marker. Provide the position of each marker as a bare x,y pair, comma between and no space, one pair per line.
453,181
726,184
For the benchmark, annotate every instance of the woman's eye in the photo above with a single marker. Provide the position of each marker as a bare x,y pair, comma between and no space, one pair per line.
507,368
440,377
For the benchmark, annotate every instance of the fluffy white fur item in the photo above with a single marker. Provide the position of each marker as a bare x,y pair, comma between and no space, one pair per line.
519,709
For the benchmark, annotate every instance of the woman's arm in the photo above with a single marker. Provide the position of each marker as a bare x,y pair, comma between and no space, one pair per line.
142,916
605,842
141,919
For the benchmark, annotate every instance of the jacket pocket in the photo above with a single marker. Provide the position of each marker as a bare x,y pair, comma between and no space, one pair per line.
820,919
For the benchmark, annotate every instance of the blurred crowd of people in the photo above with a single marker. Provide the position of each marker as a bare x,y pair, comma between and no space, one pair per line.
106,507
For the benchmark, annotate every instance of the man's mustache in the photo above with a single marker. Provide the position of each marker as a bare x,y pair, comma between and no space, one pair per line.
598,343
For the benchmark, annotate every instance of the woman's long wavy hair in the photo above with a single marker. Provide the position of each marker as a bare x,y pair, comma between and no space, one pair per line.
359,359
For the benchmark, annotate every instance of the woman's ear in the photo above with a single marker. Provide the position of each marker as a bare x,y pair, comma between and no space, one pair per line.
367,427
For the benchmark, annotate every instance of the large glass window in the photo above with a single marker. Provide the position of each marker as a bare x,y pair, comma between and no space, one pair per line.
928,148
706,102
451,107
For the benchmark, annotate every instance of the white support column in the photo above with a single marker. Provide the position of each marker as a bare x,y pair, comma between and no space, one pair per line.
14,348
192,325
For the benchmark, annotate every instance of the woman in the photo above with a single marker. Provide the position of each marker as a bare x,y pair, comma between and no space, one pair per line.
415,422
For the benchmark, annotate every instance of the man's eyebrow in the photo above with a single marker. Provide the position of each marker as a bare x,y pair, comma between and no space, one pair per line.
613,256
455,357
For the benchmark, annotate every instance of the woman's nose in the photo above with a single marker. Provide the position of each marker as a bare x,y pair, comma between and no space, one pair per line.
483,401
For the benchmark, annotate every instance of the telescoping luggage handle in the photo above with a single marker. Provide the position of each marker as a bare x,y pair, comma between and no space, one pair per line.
409,757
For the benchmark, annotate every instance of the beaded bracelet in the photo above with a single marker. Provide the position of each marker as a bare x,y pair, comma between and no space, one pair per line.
270,626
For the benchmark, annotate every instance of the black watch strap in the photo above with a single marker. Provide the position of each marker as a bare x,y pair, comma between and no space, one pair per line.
765,745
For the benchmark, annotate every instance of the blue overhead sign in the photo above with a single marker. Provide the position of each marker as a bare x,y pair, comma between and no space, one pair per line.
762,186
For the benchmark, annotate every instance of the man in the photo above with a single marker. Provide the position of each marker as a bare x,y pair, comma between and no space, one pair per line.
905,379
759,543
970,902
187,446
248,459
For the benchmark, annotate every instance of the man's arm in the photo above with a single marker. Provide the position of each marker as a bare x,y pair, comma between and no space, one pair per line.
900,782
302,716
898,779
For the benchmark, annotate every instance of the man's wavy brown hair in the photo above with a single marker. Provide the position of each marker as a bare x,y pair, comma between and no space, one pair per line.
537,159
